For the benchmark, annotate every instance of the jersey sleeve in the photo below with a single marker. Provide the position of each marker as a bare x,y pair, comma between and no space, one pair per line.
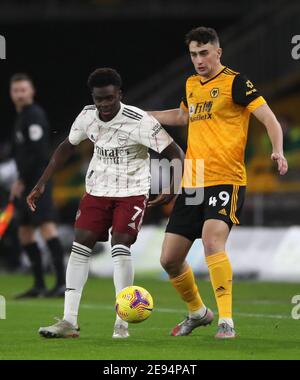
152,135
184,103
245,93
256,103
77,132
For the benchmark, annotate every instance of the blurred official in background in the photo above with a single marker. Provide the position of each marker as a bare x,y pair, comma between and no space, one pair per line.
31,143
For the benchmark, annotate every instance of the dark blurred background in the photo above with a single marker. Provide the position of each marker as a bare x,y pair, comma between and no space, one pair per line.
59,42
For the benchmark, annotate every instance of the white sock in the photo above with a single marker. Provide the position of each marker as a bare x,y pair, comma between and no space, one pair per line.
123,271
198,313
229,321
76,276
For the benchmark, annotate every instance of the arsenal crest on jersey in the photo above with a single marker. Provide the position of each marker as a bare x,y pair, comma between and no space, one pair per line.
122,139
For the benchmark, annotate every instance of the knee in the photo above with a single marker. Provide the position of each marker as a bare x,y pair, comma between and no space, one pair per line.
212,245
48,231
26,235
123,239
86,238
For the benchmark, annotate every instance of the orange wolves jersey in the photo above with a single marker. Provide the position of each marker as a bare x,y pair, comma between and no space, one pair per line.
219,110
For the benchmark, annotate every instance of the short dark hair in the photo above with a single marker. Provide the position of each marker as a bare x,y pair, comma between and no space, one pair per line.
202,35
21,76
104,76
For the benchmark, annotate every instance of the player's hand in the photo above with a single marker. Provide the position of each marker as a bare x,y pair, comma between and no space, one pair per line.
161,199
34,196
281,162
16,190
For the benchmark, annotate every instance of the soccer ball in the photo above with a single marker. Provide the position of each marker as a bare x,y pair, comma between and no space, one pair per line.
134,304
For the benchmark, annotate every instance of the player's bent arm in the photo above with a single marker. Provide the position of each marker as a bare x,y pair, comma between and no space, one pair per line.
176,117
173,151
266,116
62,153
176,156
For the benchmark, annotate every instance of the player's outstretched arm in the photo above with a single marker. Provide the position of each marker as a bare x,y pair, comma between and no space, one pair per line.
59,157
175,155
175,117
265,115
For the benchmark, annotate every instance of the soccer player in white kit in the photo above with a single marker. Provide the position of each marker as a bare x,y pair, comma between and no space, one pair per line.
117,188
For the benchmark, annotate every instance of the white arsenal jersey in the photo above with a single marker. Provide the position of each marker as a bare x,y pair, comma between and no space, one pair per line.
120,166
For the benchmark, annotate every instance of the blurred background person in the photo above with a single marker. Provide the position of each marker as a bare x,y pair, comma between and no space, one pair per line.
31,149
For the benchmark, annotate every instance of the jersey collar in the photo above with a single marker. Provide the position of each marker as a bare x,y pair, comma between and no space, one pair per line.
113,119
210,79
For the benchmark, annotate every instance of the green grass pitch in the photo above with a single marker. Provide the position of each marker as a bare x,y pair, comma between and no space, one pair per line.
262,313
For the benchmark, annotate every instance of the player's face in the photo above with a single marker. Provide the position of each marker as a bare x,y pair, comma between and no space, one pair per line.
107,100
205,57
21,93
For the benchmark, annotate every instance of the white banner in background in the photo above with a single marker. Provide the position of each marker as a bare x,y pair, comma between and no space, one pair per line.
2,307
2,47
263,253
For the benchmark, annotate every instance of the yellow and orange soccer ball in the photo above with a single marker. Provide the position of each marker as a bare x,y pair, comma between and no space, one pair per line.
134,304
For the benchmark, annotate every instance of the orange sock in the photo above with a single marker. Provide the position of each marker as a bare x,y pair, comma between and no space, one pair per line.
221,278
185,285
